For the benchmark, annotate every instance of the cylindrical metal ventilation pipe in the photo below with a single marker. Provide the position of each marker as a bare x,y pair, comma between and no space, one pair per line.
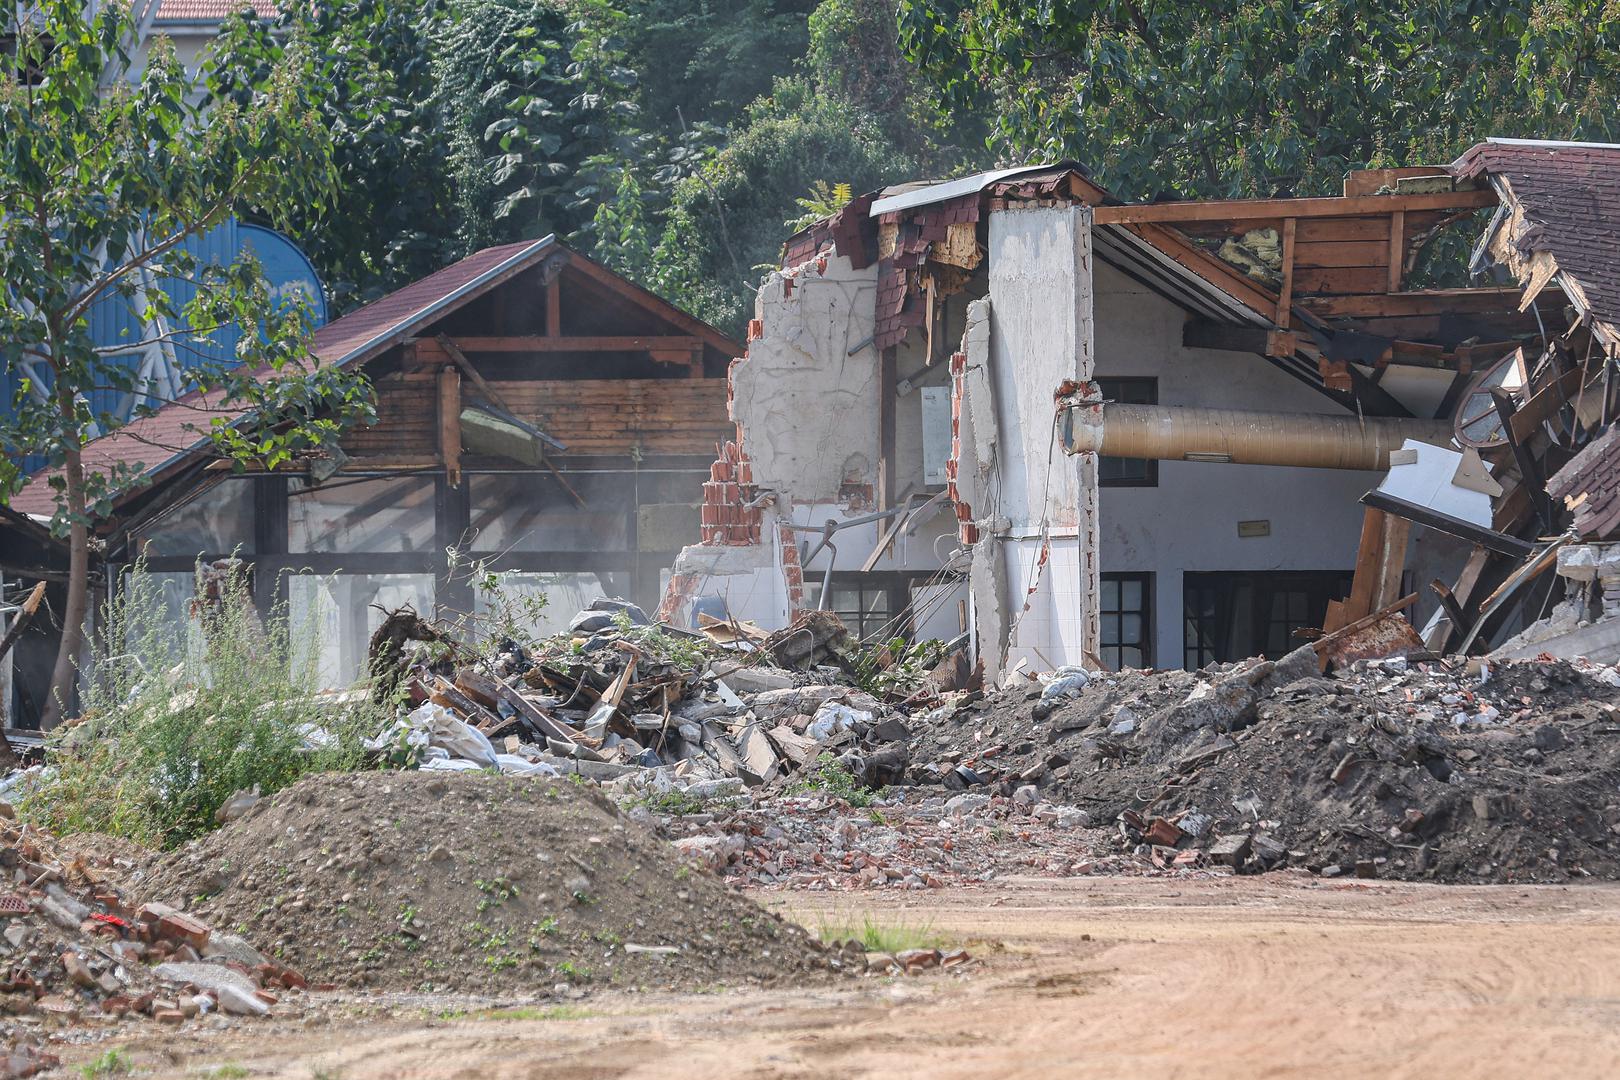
1243,437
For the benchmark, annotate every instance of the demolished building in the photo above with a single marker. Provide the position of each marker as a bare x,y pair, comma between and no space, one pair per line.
1162,435
537,414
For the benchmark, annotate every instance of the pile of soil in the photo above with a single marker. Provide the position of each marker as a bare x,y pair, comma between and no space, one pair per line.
1435,772
473,882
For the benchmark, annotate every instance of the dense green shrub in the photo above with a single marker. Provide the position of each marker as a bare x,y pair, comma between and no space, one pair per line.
189,703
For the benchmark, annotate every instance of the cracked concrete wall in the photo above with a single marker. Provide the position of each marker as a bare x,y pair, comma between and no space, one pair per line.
1034,573
806,397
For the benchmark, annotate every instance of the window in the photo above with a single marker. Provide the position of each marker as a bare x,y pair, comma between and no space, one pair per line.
337,614
865,607
216,521
345,516
565,595
1125,610
534,512
1128,472
1230,616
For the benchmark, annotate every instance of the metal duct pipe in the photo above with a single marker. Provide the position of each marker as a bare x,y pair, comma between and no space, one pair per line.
1243,437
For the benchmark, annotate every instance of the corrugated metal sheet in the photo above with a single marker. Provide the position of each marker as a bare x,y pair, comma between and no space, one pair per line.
113,322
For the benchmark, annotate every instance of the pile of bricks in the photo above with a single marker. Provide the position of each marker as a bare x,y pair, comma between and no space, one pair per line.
728,517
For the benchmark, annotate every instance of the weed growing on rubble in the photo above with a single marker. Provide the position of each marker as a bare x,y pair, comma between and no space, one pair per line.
882,937
191,702
113,1063
674,802
829,776
895,668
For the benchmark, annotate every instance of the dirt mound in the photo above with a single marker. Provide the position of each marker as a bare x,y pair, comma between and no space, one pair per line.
473,882
1432,772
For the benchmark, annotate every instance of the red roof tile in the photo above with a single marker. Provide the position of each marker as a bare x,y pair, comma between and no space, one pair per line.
1592,478
210,10
1572,192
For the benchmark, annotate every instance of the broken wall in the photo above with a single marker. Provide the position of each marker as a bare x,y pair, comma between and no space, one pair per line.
1031,508
806,397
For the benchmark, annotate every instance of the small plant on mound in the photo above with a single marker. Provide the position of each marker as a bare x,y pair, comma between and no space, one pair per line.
189,703
829,776
882,937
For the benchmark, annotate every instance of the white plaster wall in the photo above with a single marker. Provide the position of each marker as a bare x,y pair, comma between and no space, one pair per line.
747,577
1044,504
1189,522
1039,321
807,395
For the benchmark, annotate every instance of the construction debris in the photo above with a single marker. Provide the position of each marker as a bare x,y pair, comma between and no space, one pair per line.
1464,770
76,949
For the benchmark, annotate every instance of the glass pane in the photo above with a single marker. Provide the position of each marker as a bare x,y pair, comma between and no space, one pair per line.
1110,629
540,604
533,512
1108,594
1130,631
215,522
159,623
347,517
1110,658
338,613
844,598
1121,469
1131,658
1131,595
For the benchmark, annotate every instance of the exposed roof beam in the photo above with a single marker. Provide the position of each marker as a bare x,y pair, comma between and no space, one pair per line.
1253,209
526,343
1426,302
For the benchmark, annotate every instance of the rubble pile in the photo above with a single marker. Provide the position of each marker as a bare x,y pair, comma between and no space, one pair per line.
1464,770
912,838
639,706
76,951
473,882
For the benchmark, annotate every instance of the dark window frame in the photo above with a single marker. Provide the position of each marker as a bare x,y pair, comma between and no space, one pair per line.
1136,390
1146,579
1221,587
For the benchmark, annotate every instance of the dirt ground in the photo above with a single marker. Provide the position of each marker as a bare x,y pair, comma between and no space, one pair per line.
1277,976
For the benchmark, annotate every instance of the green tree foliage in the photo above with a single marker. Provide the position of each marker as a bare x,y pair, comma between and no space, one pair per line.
699,61
460,123
854,55
1253,97
728,220
102,182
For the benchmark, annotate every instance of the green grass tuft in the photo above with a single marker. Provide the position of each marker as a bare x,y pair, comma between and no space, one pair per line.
882,937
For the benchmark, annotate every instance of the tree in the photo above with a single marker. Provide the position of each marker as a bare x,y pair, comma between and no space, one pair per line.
457,124
728,220
1256,97
102,183
854,55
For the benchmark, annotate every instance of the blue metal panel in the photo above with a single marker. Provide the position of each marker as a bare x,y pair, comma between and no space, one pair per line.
112,322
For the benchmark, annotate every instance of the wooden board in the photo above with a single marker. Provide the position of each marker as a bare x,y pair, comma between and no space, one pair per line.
1354,280
1250,209
589,416
1342,253
1335,230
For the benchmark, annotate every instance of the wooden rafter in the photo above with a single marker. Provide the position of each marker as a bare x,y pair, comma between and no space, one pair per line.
1255,209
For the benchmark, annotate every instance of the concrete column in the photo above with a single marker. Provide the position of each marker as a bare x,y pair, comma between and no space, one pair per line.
1044,513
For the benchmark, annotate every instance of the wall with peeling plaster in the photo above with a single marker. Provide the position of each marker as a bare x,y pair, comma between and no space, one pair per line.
1041,514
807,395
